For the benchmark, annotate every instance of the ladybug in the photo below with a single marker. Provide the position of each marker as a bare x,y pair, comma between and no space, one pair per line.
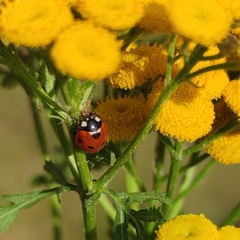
91,133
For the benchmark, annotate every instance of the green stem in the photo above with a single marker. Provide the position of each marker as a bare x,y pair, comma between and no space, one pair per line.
12,60
55,205
232,65
39,130
90,219
171,53
56,212
233,216
159,162
134,183
201,145
192,183
68,151
173,174
84,173
169,89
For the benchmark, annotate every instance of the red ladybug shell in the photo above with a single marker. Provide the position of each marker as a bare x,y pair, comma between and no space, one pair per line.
91,134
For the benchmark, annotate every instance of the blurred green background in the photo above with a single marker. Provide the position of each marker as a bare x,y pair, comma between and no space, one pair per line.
21,161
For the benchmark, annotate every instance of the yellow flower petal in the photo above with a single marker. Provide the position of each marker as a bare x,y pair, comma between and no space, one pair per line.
235,8
124,117
139,65
225,149
199,20
229,233
33,23
231,96
186,115
87,52
117,14
186,227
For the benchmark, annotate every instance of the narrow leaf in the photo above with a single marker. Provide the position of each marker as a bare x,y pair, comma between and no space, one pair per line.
20,201
142,197
120,224
148,215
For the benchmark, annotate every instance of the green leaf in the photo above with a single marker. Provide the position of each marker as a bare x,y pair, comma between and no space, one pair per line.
142,197
137,224
7,217
20,201
121,224
148,215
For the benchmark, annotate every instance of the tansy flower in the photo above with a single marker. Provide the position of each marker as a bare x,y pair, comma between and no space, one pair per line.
231,95
117,14
229,233
225,149
124,116
87,52
186,115
235,8
211,83
138,65
155,18
199,20
33,23
188,226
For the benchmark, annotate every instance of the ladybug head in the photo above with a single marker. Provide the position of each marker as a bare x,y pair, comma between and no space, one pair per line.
90,123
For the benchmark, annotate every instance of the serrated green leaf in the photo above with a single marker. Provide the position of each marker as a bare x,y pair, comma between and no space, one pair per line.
20,201
141,234
142,197
148,215
121,224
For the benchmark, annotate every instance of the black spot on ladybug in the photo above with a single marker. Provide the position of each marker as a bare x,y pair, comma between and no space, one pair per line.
79,140
96,135
90,147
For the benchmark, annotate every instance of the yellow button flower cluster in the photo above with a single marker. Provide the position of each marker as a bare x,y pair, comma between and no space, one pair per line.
196,227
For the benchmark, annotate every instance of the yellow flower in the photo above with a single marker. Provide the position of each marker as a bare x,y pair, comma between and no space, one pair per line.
231,96
186,115
235,8
124,116
139,65
211,83
87,52
155,18
225,149
229,233
33,23
117,14
188,226
206,22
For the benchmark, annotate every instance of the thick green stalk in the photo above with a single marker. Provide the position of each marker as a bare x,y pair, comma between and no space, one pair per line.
89,214
76,95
